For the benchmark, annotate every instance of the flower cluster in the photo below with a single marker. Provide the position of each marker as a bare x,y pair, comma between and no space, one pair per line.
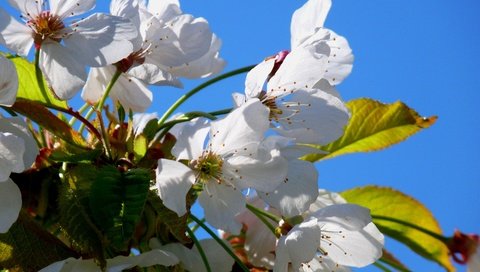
120,195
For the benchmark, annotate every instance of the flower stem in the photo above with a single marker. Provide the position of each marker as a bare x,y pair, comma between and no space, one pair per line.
262,216
200,249
101,103
114,79
200,87
39,77
220,242
413,226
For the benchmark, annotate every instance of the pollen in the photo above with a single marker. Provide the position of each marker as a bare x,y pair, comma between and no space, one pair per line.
209,167
46,26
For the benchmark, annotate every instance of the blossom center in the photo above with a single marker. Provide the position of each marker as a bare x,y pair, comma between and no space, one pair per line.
137,57
209,166
46,26
270,102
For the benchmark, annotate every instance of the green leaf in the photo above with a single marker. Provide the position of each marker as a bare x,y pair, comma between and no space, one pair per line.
28,87
81,156
46,119
402,210
117,200
374,126
75,214
23,247
392,261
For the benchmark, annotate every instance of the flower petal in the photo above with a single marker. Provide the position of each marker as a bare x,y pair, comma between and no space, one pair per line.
302,68
299,190
257,77
61,69
353,248
12,148
146,259
307,19
8,82
301,243
244,126
313,116
348,216
173,182
28,8
10,204
69,8
165,9
191,139
18,127
15,35
263,173
221,203
101,39
132,93
152,74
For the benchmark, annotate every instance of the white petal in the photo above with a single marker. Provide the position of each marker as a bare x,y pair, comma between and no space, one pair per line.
326,198
149,258
218,258
307,19
238,99
140,120
173,181
340,60
353,248
191,139
18,127
152,74
68,8
10,204
259,240
14,35
323,263
348,216
264,173
302,68
131,93
301,243
194,36
299,190
189,259
8,82
313,116
73,265
64,74
12,148
257,77
208,64
165,9
244,126
97,81
221,203
27,6
101,39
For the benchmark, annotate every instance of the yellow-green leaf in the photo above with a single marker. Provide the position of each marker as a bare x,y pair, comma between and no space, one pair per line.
374,126
392,212
28,87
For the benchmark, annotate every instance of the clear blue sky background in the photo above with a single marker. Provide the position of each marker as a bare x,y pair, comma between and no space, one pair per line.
424,53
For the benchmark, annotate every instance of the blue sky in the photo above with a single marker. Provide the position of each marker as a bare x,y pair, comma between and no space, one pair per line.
424,53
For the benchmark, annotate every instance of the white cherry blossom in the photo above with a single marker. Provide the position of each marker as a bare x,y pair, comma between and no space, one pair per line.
168,46
8,82
231,161
66,49
18,151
